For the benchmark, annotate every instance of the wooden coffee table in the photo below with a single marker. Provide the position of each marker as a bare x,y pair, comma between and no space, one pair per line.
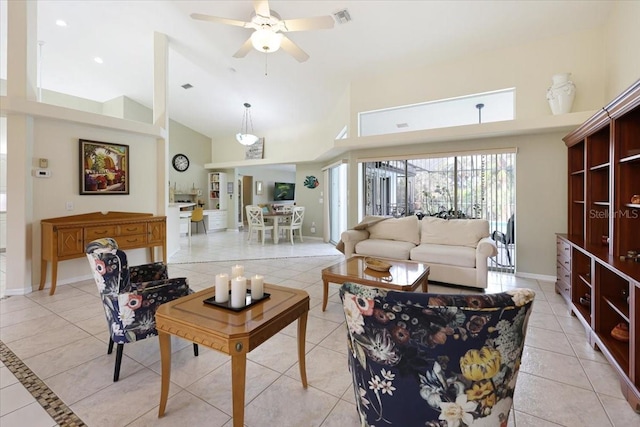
233,333
403,275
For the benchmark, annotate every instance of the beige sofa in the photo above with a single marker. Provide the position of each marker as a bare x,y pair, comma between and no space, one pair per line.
456,250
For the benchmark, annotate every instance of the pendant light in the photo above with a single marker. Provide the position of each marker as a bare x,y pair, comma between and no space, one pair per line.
244,137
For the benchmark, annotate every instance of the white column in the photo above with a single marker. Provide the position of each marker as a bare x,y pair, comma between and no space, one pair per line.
22,48
161,118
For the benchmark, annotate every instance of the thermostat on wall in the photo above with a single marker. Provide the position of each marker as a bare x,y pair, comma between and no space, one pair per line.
42,173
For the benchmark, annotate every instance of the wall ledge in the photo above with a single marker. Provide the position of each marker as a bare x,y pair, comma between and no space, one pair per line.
12,105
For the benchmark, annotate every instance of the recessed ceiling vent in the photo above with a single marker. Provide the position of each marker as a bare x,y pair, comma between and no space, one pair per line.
402,125
342,16
187,86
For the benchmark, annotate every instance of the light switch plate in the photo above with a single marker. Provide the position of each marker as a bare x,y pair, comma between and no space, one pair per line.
44,163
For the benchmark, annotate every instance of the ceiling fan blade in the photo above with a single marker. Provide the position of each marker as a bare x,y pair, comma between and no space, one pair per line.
244,49
219,20
262,8
304,24
292,49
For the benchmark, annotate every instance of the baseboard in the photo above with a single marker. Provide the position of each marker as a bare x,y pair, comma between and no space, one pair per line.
15,292
541,277
47,285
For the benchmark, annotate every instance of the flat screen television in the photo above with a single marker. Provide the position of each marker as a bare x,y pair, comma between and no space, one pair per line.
284,191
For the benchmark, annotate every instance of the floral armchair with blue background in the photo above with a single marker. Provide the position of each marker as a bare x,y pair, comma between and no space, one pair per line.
131,295
420,359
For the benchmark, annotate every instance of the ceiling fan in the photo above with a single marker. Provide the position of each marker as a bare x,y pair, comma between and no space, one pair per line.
269,28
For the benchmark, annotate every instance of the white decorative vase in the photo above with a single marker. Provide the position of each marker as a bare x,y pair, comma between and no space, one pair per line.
561,94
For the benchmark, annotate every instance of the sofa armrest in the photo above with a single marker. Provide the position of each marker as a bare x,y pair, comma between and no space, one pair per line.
350,238
486,248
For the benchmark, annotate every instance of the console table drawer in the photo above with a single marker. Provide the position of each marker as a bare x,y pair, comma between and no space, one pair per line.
92,233
131,229
131,241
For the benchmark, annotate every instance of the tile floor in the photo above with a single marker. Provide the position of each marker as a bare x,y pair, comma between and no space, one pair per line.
63,339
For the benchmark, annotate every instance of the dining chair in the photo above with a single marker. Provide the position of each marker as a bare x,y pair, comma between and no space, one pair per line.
421,359
297,216
198,217
256,222
131,295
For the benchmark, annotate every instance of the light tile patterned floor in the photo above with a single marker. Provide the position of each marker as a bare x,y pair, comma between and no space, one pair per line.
63,339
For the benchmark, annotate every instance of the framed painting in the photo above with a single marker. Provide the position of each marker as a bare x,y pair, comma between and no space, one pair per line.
104,168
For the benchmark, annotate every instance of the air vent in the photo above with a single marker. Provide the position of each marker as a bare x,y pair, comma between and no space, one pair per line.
402,125
187,86
342,16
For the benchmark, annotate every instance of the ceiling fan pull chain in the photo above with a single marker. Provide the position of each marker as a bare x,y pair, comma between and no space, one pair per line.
265,63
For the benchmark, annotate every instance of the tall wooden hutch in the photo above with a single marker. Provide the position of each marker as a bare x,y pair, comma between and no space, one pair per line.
595,274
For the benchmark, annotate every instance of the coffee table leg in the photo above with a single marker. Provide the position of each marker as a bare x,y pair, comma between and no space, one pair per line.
425,284
302,334
238,376
325,294
165,358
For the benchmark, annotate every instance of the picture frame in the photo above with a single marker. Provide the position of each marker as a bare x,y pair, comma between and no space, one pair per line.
255,151
259,188
104,168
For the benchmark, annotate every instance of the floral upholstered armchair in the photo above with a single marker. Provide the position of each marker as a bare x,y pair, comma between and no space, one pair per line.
434,359
130,295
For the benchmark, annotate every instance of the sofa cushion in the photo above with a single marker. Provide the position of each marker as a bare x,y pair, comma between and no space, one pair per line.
453,232
459,256
384,248
405,229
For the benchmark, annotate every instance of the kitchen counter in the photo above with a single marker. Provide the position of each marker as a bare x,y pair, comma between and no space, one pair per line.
181,205
174,218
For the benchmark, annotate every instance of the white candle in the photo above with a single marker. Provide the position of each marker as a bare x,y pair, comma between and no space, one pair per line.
222,287
257,287
238,291
237,271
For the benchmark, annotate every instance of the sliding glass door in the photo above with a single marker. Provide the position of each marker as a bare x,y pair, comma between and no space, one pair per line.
469,186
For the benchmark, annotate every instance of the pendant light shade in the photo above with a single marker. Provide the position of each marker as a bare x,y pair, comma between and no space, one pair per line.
244,137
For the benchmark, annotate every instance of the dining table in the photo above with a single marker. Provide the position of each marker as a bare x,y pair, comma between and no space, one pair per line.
275,217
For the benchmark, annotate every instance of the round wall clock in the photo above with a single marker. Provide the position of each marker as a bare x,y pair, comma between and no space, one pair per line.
180,162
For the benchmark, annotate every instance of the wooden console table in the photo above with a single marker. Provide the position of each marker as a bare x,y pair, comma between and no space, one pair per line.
66,237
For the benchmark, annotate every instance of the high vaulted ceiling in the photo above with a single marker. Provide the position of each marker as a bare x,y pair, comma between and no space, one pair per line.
383,36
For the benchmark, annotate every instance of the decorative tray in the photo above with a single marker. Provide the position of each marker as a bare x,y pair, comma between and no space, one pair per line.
377,264
382,275
227,304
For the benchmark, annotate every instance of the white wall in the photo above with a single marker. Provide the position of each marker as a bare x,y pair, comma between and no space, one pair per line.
197,148
310,198
69,101
622,47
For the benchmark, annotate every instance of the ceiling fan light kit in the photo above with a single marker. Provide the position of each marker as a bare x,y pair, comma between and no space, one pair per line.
265,40
244,137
